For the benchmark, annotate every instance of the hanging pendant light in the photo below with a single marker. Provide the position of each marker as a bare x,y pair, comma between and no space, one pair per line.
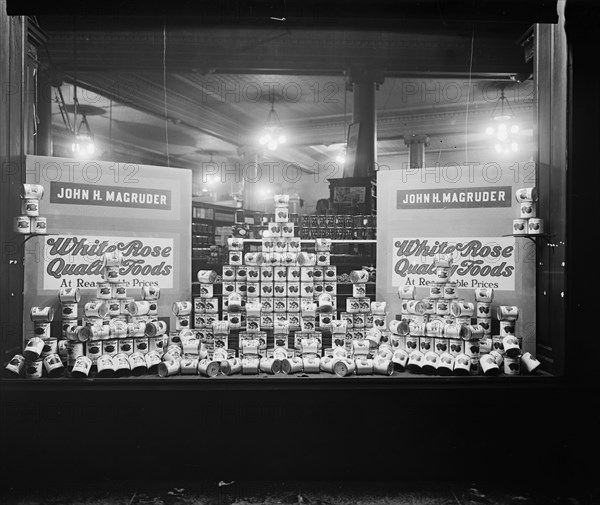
504,128
273,135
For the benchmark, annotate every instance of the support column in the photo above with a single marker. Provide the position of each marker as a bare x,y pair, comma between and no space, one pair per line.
43,145
416,150
364,83
250,178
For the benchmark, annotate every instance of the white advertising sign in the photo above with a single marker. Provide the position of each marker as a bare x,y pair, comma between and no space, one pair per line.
478,262
76,261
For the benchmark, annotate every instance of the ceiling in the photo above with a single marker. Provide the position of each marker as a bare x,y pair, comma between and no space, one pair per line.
181,95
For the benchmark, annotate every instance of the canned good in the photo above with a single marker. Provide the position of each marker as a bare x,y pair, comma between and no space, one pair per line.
189,365
153,358
150,292
139,307
182,308
436,291
512,348
39,225
112,259
126,346
95,309
484,294
117,328
140,344
155,328
69,310
231,366
110,347
529,363
30,207
527,210
124,302
41,329
33,348
182,322
22,224
119,291
526,195
53,365
209,368
471,331
122,365
520,226
507,313
158,344
407,292
93,349
74,351
105,366
32,191
50,347
488,364
137,363
512,366
111,274
535,226
113,307
34,368
450,291
81,367
462,309
104,291
270,365
168,368
69,295
42,314
16,365
462,364
93,332
445,365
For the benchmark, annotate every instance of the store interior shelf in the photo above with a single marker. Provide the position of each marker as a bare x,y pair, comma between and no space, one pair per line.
312,241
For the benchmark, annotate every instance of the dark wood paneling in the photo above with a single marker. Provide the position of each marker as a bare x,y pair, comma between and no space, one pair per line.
12,176
550,64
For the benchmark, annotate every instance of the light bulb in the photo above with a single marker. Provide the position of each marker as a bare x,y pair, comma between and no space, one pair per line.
272,145
489,130
514,128
502,134
281,139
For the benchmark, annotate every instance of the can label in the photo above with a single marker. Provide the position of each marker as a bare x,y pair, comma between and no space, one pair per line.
93,349
39,225
41,329
95,309
119,291
53,365
105,363
33,348
30,207
183,308
16,365
126,346
32,191
22,224
82,366
69,295
74,351
150,292
33,369
110,347
512,366
158,344
42,314
50,347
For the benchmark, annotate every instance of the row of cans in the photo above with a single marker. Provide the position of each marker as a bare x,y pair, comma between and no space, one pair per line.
279,289
528,226
279,258
253,273
338,221
30,225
